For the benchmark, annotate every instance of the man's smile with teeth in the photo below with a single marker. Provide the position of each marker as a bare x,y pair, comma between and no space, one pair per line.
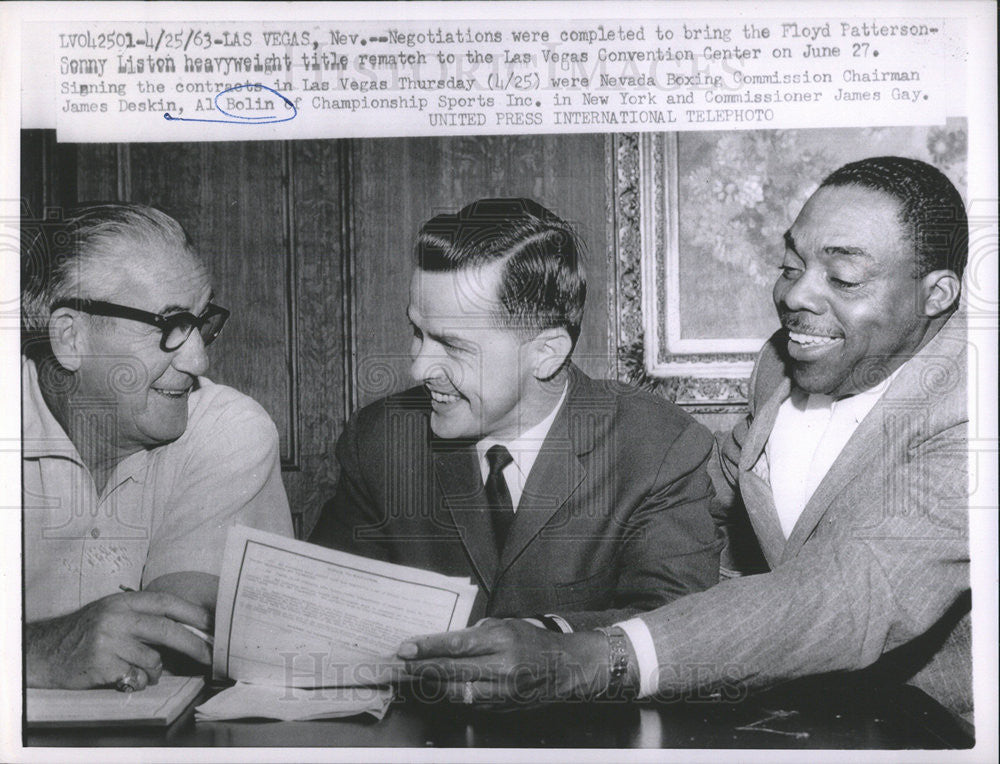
811,339
171,393
439,397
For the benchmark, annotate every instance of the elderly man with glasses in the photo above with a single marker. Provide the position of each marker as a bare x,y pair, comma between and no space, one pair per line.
134,464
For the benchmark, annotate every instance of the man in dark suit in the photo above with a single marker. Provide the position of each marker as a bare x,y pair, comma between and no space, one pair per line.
569,501
851,469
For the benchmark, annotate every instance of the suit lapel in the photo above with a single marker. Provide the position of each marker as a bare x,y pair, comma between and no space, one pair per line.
755,484
461,483
860,452
553,479
556,474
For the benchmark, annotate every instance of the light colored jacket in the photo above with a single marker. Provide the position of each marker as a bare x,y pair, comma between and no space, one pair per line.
876,571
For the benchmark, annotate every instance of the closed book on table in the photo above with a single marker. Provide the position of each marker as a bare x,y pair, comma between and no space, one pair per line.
156,706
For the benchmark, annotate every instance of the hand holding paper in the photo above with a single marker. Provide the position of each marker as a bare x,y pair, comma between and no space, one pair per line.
311,633
296,614
503,661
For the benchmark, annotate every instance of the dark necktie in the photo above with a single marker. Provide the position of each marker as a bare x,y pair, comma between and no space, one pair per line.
497,495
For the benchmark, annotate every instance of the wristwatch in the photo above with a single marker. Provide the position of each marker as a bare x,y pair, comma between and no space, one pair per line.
617,660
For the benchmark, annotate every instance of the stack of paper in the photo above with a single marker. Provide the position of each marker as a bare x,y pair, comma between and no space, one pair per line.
247,701
294,614
311,633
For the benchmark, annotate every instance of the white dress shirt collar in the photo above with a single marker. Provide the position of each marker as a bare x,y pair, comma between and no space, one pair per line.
808,435
524,451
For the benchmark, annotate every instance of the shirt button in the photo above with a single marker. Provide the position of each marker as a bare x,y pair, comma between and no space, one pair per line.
95,532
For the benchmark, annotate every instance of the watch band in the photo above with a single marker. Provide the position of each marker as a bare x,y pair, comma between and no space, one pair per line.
617,660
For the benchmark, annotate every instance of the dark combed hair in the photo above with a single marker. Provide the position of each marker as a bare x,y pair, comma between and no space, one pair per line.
930,207
543,284
56,255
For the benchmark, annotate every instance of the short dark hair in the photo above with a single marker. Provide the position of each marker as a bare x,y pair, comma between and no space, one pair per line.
930,207
543,284
56,255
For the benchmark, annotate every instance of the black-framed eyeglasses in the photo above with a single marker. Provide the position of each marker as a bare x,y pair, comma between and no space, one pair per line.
175,327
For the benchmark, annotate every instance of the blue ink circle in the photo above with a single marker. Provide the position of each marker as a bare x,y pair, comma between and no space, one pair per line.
238,119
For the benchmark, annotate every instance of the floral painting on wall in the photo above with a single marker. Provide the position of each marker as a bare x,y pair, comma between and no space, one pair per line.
725,202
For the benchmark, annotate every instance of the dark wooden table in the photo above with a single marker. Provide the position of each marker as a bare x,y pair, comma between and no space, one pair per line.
800,715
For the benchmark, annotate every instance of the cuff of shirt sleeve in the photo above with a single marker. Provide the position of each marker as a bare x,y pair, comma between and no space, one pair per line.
647,664
551,622
561,622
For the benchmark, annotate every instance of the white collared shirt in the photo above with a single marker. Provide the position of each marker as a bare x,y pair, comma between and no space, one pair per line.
808,435
523,450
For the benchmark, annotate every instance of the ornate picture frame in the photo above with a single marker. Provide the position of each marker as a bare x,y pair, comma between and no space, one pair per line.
639,189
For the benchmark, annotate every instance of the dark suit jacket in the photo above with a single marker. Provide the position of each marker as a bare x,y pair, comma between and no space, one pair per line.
876,571
614,517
